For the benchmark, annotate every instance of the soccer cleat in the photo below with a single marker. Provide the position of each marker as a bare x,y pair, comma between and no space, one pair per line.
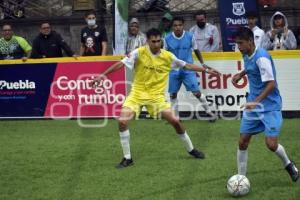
213,117
125,163
293,171
197,154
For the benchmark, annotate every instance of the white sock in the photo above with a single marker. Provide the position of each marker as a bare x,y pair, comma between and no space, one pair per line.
124,139
280,152
202,99
186,141
242,158
174,104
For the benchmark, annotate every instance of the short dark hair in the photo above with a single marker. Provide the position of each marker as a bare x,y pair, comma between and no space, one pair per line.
252,14
89,12
45,22
244,33
201,12
153,32
178,19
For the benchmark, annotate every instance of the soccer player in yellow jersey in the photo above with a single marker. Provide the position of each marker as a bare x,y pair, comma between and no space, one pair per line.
151,66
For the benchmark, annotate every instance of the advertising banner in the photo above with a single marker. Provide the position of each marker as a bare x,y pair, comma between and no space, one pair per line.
222,95
54,90
232,15
63,90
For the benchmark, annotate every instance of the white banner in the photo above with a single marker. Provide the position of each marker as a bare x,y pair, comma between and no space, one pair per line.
121,26
225,96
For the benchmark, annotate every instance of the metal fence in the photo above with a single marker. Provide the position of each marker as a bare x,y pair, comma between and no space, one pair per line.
14,9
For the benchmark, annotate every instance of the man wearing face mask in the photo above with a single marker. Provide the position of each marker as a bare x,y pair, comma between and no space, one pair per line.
93,37
49,44
207,35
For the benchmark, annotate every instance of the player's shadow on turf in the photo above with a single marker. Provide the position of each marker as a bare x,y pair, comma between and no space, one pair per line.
159,192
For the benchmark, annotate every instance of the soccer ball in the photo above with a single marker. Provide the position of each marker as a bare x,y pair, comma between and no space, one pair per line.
238,185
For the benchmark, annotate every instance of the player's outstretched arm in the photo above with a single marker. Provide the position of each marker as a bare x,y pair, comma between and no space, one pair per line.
237,77
113,68
202,69
199,56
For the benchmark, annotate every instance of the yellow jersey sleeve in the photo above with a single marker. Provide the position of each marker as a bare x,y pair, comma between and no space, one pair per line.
23,43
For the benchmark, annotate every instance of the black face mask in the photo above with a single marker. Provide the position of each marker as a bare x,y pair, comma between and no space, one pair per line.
201,24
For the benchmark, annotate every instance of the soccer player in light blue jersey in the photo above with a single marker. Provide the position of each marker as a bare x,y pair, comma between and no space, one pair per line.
182,43
263,107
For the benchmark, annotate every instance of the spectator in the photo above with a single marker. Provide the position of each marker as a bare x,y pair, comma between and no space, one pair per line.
279,37
206,35
93,37
165,25
135,37
12,46
252,24
49,44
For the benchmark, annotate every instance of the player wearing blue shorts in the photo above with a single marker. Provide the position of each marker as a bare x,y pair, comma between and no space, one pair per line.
181,43
263,108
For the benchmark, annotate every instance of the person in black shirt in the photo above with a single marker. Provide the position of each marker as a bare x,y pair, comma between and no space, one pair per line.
93,37
49,44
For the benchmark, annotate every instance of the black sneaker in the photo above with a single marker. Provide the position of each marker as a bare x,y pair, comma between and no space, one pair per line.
197,154
293,171
125,163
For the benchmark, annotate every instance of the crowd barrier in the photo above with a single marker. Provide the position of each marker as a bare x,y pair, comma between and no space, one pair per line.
59,88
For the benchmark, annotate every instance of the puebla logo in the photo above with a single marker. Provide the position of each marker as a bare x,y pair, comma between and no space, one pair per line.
238,8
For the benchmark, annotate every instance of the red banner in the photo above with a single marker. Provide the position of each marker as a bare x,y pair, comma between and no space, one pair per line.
72,96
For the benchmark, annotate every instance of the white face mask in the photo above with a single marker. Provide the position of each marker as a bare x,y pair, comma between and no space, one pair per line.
91,22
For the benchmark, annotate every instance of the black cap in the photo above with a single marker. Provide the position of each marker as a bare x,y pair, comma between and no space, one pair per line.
252,14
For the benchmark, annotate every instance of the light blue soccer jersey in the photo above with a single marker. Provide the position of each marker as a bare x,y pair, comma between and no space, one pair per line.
260,69
181,48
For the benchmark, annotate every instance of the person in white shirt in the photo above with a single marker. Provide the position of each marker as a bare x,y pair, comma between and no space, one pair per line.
252,24
207,35
135,38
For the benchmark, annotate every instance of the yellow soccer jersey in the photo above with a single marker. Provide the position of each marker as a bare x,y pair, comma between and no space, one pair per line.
151,72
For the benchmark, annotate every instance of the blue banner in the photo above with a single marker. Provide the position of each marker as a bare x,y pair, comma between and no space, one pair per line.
24,89
232,16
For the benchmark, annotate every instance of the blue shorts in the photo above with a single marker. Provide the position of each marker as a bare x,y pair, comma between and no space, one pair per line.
187,77
255,122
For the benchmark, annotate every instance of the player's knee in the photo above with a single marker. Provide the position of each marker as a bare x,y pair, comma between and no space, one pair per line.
173,95
272,146
122,124
197,94
243,144
175,122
